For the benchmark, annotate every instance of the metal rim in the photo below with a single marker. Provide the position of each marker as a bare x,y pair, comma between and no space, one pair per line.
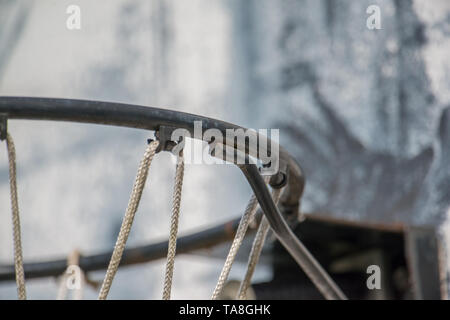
149,118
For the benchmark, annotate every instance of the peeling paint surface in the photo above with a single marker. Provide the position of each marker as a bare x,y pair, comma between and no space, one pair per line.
365,112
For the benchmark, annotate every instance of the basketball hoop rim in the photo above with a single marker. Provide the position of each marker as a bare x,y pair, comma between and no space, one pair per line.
147,118
150,118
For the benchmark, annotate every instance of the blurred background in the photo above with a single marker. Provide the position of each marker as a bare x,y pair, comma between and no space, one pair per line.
363,110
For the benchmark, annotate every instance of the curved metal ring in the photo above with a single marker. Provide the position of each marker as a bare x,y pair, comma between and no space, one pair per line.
149,118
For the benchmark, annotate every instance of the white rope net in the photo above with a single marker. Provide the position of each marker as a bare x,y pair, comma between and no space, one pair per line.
18,257
256,250
173,228
127,222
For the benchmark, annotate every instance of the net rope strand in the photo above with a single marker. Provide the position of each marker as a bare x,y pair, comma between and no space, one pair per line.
127,222
172,247
235,245
256,250
18,257
247,217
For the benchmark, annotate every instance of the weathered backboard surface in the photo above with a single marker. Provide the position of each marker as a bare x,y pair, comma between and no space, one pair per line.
365,112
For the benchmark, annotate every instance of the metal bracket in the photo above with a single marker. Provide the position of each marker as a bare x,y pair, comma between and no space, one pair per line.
423,259
279,179
3,126
164,136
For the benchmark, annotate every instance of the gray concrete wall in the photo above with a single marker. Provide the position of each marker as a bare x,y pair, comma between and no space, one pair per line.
362,110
